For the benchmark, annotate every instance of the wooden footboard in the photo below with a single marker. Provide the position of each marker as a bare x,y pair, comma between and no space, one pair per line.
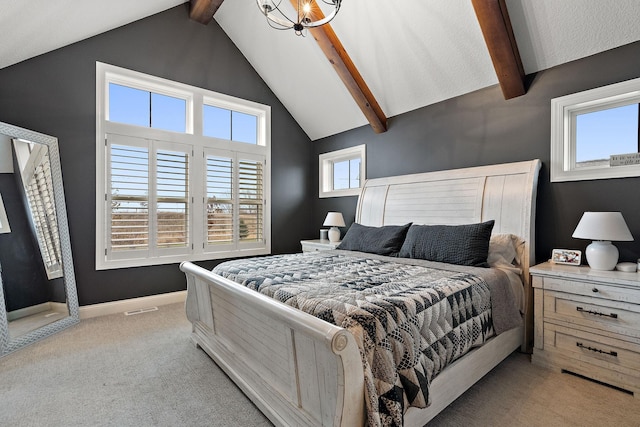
298,369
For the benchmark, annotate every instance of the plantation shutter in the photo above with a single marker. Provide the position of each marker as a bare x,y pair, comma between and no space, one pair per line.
235,200
251,200
220,195
172,199
149,197
129,197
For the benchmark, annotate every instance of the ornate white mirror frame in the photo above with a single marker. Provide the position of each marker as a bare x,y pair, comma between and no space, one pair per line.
8,343
564,111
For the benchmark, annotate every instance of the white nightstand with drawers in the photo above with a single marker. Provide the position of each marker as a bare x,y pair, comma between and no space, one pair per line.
317,245
588,322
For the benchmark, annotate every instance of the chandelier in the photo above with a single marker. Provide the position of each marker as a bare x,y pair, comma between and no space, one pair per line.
308,14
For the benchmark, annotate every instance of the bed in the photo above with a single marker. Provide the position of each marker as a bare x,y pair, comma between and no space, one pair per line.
301,370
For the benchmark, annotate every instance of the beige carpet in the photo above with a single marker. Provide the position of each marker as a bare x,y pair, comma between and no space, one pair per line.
143,370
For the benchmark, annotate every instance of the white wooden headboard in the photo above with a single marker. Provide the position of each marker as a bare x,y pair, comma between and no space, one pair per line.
505,193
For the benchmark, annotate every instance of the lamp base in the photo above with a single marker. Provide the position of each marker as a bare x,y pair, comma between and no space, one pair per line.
602,255
334,234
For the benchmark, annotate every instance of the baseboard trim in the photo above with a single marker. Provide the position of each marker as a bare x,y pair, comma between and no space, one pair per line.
115,307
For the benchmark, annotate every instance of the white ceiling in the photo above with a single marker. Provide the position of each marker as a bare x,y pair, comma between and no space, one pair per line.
411,53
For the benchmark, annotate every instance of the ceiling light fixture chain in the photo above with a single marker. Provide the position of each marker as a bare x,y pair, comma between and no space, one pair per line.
308,14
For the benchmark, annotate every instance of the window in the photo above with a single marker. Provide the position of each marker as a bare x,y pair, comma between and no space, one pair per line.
183,172
226,124
342,172
595,134
146,108
618,126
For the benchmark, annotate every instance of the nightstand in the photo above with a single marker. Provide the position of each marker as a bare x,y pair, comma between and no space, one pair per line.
317,245
588,322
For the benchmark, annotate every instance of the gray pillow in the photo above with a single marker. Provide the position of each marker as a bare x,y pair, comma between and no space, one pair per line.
386,240
466,244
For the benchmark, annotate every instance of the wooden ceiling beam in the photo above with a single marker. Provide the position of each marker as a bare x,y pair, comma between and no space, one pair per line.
498,35
203,10
347,71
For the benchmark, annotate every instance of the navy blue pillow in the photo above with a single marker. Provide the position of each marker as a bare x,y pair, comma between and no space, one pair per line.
466,244
386,240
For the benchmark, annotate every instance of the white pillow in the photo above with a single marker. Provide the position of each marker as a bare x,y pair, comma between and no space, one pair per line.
505,253
505,250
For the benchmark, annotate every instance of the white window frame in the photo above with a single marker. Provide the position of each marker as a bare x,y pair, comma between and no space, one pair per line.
325,168
564,110
195,98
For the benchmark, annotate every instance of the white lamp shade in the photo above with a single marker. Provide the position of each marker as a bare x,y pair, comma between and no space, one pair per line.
608,226
334,219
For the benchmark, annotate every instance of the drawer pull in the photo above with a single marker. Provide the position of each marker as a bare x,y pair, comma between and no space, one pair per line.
595,290
596,313
597,350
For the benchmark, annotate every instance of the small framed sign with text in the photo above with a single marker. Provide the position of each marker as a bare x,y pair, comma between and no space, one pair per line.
566,256
624,159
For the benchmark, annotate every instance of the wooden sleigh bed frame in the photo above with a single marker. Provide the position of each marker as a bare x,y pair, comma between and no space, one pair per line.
300,370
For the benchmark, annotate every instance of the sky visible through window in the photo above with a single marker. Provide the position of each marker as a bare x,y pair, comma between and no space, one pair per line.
227,124
143,108
606,132
152,110
148,109
346,174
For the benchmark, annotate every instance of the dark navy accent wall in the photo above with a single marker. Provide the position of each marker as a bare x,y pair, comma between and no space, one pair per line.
55,94
482,128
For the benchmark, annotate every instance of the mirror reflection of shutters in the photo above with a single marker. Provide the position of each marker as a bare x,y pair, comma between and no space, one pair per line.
42,206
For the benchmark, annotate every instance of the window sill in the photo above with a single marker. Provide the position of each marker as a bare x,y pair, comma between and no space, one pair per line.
103,264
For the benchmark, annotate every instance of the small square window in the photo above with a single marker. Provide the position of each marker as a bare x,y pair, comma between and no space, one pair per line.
342,172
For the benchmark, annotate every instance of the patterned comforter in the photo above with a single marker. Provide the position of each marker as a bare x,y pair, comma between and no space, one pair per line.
411,318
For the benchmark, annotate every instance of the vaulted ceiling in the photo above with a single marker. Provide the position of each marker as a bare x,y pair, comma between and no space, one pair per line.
409,53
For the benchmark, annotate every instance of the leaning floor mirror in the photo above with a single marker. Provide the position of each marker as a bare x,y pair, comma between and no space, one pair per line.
37,281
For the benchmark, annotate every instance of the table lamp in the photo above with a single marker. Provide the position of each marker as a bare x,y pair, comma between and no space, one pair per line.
334,220
602,228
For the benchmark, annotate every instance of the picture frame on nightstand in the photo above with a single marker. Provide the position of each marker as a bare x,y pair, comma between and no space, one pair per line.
566,256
